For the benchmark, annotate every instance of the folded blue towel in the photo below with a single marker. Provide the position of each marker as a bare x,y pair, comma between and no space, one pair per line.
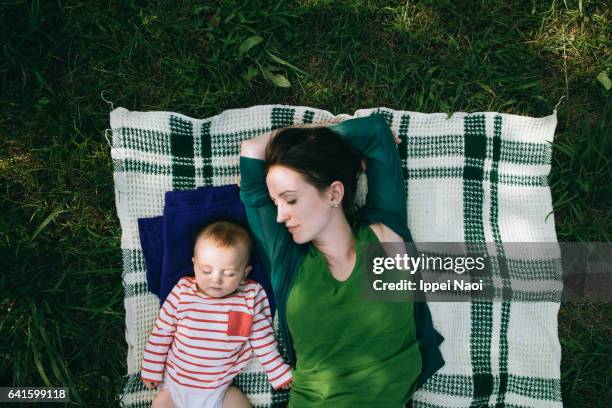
150,231
167,241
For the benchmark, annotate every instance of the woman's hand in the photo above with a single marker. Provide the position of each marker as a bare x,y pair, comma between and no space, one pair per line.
396,137
255,147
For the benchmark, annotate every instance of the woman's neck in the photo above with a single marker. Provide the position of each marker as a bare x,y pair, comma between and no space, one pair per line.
336,241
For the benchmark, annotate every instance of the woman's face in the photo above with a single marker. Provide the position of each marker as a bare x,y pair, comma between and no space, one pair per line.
300,206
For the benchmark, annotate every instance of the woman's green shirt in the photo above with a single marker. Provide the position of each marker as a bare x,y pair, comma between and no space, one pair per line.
349,352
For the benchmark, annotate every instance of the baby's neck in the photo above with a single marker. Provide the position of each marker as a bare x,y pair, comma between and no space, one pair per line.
202,291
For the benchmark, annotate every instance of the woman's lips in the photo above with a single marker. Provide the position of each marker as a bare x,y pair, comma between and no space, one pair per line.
292,228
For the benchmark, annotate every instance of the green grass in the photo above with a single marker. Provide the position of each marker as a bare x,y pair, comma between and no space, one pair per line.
61,293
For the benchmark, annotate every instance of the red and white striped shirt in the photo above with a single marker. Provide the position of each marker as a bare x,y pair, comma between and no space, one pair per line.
203,342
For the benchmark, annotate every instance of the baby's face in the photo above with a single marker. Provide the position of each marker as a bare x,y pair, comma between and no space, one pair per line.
219,270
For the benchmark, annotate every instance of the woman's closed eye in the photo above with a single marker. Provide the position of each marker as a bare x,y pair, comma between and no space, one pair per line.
289,202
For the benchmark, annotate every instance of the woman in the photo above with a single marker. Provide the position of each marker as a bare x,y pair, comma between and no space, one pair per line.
296,187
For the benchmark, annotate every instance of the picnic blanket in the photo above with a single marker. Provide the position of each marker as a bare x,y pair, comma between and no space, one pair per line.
471,177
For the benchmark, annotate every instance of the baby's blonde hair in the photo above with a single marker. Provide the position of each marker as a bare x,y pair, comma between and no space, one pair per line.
226,234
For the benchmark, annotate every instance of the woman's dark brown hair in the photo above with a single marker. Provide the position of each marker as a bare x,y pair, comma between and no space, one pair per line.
320,155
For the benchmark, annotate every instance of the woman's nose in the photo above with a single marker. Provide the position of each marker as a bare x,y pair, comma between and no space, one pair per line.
281,214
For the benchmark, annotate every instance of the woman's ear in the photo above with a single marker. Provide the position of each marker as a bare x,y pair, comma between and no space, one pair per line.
336,190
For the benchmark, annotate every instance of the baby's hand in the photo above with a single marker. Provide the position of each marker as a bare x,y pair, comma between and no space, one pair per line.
150,384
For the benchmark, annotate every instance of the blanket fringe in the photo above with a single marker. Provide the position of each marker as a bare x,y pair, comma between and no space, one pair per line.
112,105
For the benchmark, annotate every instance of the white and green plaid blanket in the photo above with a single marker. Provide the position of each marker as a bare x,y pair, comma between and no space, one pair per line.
478,177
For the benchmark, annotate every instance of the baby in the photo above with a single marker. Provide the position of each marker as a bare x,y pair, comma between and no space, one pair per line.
209,325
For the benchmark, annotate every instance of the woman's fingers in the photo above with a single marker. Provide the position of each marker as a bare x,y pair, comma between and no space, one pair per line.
396,137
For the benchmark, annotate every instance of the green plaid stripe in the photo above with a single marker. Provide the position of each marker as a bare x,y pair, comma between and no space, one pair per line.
523,181
282,117
150,168
206,170
257,383
141,167
503,267
522,153
475,145
133,261
480,351
435,172
232,171
525,153
543,388
118,166
135,289
253,381
455,385
481,312
463,386
537,269
142,140
227,144
308,116
181,142
458,172
134,385
435,146
533,295
280,398
403,147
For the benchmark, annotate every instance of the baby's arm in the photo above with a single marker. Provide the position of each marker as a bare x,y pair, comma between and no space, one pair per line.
156,349
264,344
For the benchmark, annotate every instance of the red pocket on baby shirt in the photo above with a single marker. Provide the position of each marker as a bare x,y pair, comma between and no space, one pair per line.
239,324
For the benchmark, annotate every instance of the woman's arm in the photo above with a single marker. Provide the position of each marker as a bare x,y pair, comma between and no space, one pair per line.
271,237
385,207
